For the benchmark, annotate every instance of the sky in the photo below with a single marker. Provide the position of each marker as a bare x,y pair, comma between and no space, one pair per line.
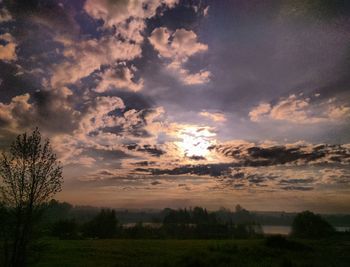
171,103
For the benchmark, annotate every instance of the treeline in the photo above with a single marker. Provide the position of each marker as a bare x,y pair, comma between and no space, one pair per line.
182,224
63,221
61,210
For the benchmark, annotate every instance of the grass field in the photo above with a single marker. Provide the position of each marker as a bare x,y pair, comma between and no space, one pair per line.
212,253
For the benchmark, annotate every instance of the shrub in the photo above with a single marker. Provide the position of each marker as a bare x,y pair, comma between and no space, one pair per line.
309,225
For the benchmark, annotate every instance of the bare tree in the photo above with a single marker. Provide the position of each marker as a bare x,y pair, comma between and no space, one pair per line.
30,175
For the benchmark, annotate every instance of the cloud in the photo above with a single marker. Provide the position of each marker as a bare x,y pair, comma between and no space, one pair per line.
214,116
18,106
261,110
84,57
182,45
114,12
97,115
5,15
126,17
178,47
125,22
107,130
206,11
122,77
301,110
150,149
8,49
251,154
88,134
188,78
40,109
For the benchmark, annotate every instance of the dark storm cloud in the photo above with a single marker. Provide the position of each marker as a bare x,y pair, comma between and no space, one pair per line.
256,156
144,163
58,15
41,109
275,155
194,157
200,169
13,83
297,181
187,14
50,107
297,188
297,184
108,156
155,183
152,150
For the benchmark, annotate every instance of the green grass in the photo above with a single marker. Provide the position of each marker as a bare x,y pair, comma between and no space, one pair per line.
188,253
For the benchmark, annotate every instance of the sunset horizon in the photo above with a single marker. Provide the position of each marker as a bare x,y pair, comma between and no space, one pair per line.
165,103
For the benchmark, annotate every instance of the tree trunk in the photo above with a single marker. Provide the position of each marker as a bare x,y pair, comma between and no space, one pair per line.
22,237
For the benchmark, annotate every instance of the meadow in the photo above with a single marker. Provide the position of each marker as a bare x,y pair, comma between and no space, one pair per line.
252,252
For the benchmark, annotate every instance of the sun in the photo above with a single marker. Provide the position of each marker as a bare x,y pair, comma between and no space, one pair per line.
195,146
194,141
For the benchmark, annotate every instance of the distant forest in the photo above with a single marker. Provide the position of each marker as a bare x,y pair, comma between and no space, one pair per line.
65,221
56,210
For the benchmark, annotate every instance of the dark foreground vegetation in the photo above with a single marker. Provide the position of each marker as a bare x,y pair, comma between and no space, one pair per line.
196,223
184,237
154,253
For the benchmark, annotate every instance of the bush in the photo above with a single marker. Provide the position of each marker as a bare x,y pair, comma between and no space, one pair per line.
104,225
65,229
281,242
309,225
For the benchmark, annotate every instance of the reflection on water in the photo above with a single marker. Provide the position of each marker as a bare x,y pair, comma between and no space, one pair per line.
276,229
343,228
285,230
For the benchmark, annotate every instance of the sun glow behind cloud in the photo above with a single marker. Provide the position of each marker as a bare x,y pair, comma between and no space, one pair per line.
194,141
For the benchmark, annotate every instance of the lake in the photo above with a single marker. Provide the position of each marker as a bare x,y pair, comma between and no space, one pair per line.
285,230
267,229
276,229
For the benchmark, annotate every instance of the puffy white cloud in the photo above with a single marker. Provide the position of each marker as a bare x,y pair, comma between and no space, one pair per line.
214,116
122,43
106,126
87,56
182,45
114,12
8,50
132,30
122,77
96,117
206,11
178,47
128,16
298,109
261,110
19,106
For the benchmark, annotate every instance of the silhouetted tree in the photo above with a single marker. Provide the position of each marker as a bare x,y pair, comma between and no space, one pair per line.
30,175
65,229
56,211
242,216
309,225
104,225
